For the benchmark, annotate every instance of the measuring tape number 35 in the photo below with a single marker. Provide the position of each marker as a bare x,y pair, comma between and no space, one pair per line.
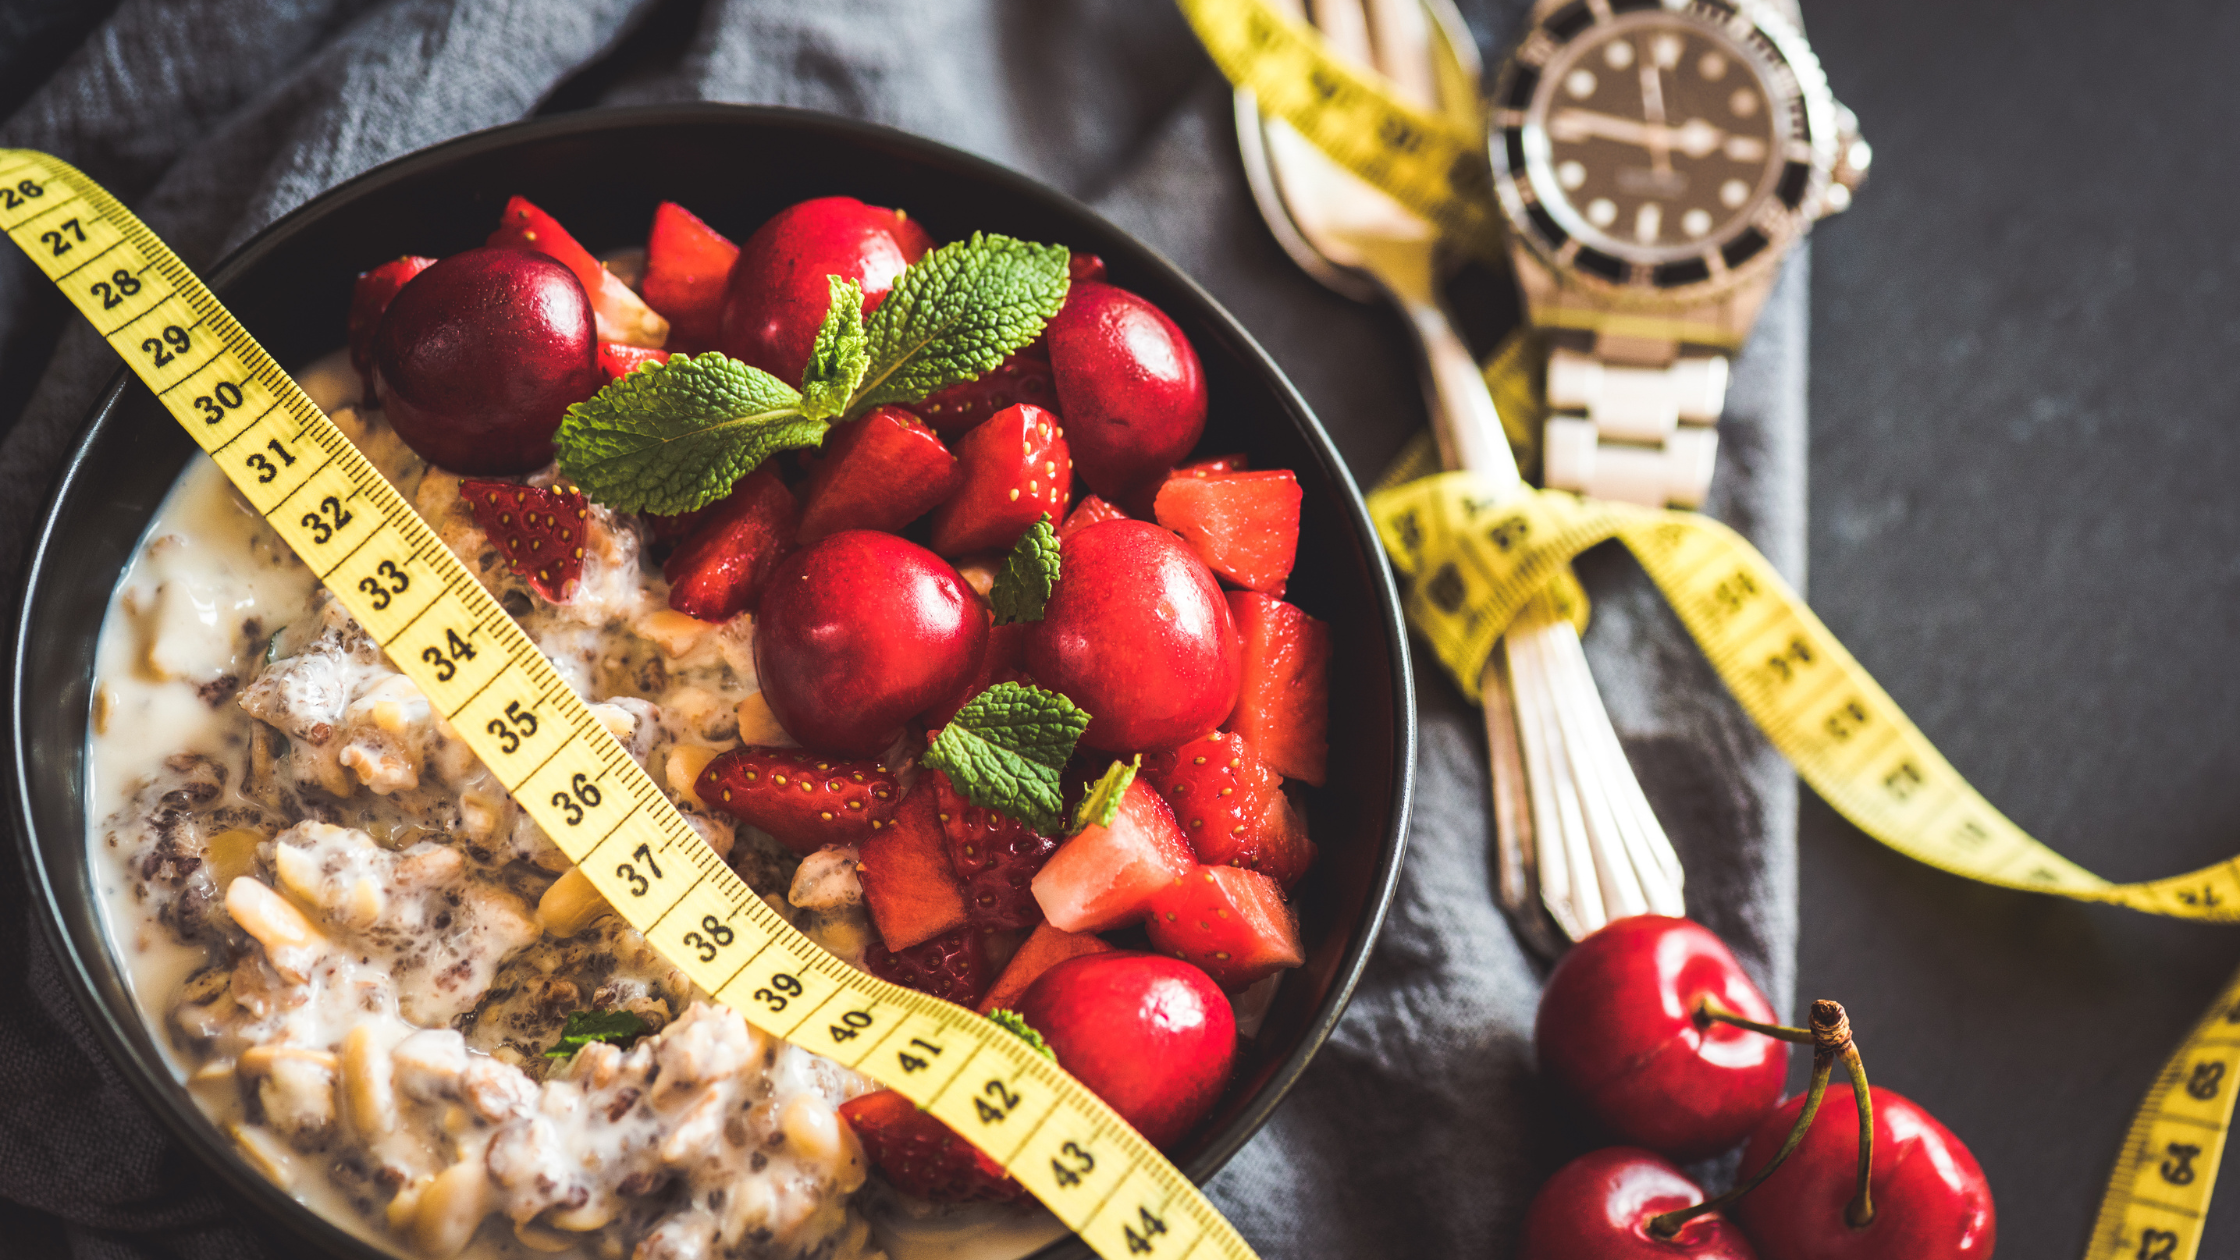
476,666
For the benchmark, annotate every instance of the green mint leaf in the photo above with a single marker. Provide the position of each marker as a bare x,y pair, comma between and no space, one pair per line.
584,1027
1016,1024
840,356
1102,801
1023,585
671,437
1004,749
957,312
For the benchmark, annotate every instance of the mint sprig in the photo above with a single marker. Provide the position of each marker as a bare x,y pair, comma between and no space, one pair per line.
584,1027
1018,1026
1004,750
1029,573
840,356
674,436
1101,803
957,312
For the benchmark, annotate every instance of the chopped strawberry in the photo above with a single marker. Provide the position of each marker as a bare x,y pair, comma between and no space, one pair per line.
1283,704
1003,660
919,1155
719,570
996,856
618,360
687,263
540,531
622,315
1231,806
1105,877
908,885
880,472
1244,525
1039,953
1084,268
952,966
369,299
1089,511
1022,378
1015,469
1230,921
806,802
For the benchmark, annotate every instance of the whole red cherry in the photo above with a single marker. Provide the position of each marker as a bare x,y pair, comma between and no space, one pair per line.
859,631
1137,632
1619,1027
1129,386
1598,1207
1931,1201
1152,1036
778,293
478,357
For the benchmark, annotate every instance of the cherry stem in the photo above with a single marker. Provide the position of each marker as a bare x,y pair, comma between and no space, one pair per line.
1709,1009
1860,1213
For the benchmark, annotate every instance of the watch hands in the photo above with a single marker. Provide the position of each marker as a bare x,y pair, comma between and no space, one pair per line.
1696,138
1656,137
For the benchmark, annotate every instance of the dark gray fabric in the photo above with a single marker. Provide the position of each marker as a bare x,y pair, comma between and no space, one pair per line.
1421,1129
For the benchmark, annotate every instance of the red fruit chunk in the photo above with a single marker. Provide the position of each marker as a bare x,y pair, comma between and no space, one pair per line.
1023,377
1045,949
1931,1201
880,472
1231,806
1105,877
920,1155
1000,662
1209,467
618,360
1230,921
478,357
541,532
1129,386
907,884
1137,633
1283,702
859,633
687,263
777,293
1015,469
371,297
1082,268
1151,1036
1598,1207
622,315
722,567
1245,525
802,800
1618,1028
1088,512
952,966
1285,852
996,856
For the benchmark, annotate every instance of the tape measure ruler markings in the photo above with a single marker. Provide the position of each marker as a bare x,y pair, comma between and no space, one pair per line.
504,700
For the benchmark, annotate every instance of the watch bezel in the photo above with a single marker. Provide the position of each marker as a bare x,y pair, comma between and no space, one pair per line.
1671,284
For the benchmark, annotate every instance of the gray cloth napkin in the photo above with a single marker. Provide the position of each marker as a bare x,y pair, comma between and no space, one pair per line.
1421,1128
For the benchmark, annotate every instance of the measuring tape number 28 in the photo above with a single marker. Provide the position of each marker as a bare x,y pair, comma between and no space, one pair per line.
476,666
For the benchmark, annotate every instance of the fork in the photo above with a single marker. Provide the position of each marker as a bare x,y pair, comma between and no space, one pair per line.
1577,839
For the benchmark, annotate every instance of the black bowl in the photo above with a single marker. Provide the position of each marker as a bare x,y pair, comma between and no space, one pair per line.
601,173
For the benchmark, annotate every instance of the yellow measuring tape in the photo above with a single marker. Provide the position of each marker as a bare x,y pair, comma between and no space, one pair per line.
477,667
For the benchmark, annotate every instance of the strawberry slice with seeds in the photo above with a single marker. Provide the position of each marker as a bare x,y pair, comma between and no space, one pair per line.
540,531
908,884
1229,921
1016,467
621,314
687,263
735,545
1231,806
805,801
879,472
952,966
1090,511
1283,704
920,1155
618,360
1023,377
996,857
368,299
1244,525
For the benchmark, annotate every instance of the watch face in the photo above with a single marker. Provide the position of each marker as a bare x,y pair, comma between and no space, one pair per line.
1657,148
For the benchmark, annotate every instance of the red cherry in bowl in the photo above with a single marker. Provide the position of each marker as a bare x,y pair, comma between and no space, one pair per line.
1931,1201
1152,1036
478,357
777,294
1129,386
1621,1028
859,631
1137,632
1598,1207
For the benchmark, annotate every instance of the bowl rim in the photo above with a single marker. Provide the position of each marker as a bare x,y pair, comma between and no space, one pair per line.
151,1078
